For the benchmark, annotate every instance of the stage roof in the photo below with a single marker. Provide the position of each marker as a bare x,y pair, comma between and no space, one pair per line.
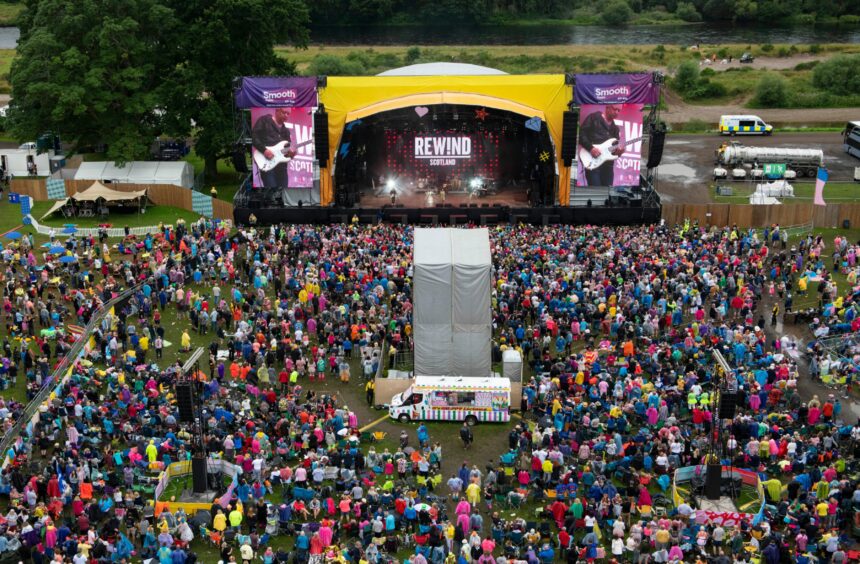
348,98
442,69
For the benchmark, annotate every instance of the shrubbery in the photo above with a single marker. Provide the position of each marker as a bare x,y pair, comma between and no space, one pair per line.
838,75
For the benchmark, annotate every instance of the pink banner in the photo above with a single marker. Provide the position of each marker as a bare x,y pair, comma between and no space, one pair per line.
282,132
610,145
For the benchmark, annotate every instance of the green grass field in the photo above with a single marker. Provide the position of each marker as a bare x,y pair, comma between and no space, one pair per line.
118,218
227,180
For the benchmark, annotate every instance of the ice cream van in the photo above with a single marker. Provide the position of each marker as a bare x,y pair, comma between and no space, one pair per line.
453,398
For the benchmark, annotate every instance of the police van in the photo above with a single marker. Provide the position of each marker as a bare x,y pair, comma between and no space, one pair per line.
744,125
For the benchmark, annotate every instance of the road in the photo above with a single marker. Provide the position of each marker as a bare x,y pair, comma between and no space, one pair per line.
686,171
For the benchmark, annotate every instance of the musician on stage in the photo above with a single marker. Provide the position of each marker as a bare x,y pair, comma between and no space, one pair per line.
595,129
270,130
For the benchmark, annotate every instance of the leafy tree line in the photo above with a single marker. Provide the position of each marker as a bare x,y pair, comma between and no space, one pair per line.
119,74
338,12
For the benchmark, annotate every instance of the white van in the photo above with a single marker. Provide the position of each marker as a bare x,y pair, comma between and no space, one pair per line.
453,398
744,125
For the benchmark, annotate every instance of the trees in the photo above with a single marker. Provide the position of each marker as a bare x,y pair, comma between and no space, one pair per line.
686,77
838,75
771,92
221,40
616,12
92,71
122,73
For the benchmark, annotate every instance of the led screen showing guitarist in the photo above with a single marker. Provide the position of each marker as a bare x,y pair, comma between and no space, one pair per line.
596,129
610,145
273,144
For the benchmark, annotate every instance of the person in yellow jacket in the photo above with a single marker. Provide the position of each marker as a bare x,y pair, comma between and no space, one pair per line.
186,341
219,523
151,451
473,493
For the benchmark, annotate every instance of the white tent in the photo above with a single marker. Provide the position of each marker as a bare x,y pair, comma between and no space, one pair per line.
180,173
452,319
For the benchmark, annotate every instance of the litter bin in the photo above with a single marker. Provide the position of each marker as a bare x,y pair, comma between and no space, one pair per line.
14,198
846,224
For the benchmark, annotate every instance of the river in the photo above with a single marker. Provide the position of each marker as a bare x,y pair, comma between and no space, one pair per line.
581,35
558,35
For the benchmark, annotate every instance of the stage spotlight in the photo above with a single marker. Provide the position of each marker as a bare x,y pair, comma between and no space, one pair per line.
475,183
390,184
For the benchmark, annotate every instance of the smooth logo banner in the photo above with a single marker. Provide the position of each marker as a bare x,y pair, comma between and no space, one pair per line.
621,88
609,152
277,92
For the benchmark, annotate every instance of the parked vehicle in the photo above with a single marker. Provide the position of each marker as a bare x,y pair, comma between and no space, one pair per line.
738,162
744,125
747,58
453,398
851,138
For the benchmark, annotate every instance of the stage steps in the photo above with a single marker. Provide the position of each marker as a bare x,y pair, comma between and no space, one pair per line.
579,195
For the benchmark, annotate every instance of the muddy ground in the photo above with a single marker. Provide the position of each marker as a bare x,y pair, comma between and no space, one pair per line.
686,171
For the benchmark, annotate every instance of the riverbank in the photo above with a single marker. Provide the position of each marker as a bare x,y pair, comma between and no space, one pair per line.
9,14
734,83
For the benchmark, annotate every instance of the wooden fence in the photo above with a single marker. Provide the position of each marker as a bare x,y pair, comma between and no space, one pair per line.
36,188
747,215
159,194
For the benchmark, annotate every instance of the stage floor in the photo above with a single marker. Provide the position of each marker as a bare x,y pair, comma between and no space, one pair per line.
513,197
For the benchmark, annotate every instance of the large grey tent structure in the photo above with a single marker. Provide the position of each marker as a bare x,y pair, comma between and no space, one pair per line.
452,320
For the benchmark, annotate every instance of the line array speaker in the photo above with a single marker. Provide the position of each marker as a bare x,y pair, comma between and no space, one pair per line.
728,404
239,161
184,397
712,481
321,136
198,474
655,145
570,125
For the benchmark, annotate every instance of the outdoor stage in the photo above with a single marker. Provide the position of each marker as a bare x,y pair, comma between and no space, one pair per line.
514,196
477,214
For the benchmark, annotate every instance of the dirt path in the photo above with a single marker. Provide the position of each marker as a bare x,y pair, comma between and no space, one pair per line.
681,112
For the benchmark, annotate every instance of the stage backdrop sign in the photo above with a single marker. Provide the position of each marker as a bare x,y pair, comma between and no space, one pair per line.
609,152
282,111
621,88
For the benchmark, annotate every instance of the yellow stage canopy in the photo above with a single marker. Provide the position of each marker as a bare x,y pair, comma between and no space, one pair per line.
533,95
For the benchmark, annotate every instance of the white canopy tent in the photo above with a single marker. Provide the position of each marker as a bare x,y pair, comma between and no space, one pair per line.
99,192
180,173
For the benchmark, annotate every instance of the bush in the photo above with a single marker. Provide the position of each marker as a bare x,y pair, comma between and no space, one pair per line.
687,12
704,88
413,54
814,49
838,75
783,52
686,77
707,71
771,92
616,12
849,19
767,47
809,65
332,65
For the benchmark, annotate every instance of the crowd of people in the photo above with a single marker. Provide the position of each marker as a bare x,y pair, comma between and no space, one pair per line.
617,327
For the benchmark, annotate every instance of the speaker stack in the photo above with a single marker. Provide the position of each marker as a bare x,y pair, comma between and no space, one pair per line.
570,125
728,405
198,474
321,136
713,477
185,399
655,144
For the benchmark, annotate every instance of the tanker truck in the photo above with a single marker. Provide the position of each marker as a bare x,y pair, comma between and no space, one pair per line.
738,162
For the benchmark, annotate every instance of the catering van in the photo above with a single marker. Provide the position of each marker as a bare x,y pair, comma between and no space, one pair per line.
744,125
453,398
